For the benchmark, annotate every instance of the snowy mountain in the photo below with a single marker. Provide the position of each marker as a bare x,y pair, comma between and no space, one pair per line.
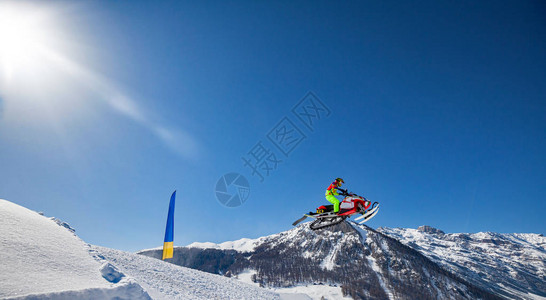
358,262
42,258
511,265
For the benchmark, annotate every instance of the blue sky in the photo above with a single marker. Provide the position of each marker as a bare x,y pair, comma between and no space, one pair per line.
438,111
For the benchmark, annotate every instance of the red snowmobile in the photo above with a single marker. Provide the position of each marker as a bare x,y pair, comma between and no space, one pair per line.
352,204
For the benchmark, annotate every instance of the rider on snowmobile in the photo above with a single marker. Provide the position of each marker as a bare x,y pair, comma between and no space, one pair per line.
332,191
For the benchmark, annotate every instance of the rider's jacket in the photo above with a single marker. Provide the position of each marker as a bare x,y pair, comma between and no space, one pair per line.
332,189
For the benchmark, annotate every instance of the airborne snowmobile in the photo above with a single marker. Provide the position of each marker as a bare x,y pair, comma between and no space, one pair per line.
352,204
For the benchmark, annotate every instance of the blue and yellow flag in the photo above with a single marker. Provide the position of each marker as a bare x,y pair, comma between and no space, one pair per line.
169,231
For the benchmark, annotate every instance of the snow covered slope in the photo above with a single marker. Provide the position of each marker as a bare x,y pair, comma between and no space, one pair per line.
167,281
42,258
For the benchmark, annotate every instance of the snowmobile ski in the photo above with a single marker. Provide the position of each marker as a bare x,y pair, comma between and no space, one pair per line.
368,217
375,207
299,220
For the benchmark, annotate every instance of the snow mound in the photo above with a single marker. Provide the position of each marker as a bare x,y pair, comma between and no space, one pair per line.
127,291
168,281
111,273
41,258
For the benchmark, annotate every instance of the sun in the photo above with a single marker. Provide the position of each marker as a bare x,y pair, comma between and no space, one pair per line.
25,35
34,56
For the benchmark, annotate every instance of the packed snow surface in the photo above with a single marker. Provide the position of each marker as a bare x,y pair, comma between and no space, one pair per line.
168,281
42,258
299,292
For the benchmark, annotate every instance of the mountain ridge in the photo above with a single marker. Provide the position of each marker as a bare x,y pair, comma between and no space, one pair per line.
509,264
361,261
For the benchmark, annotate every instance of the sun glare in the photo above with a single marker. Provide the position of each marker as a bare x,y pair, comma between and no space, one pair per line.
17,39
42,82
24,35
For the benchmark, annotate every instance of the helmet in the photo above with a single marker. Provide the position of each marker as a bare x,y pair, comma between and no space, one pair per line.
340,180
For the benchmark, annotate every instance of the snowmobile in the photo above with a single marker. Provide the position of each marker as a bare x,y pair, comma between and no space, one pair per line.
352,204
